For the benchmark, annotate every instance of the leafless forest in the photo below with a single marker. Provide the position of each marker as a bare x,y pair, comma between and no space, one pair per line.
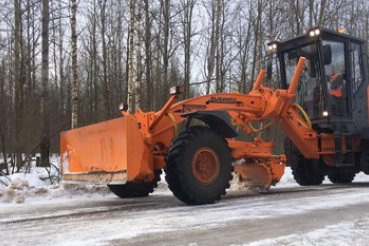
65,63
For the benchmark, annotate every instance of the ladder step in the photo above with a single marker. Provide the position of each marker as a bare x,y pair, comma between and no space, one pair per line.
337,146
349,160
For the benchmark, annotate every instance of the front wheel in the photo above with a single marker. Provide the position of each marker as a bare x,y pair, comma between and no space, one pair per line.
199,166
305,171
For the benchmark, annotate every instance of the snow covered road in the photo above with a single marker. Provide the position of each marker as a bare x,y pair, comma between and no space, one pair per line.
288,215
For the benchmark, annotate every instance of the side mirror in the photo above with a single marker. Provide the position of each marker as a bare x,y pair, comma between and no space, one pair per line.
269,70
327,54
123,107
176,90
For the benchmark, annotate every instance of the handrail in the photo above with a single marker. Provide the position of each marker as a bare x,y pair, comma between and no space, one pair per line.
259,80
296,75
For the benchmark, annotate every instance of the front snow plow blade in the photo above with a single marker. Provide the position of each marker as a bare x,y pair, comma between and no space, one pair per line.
110,152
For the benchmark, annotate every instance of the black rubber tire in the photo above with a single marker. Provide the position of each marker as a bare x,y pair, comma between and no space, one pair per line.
342,176
130,189
305,171
194,181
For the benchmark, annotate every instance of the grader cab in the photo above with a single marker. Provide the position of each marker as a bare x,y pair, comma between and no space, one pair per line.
323,138
333,92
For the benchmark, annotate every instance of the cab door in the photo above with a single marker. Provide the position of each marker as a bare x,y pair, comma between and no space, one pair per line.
336,79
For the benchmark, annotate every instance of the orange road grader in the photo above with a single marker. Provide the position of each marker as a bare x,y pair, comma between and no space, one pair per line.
321,105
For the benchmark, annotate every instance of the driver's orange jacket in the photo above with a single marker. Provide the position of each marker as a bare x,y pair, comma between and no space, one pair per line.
338,91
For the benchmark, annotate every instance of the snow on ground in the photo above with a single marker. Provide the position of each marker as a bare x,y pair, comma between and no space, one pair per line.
35,188
342,234
40,185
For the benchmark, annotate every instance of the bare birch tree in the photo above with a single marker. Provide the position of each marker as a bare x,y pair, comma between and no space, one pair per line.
214,15
148,57
130,55
188,6
138,56
74,65
105,63
244,37
165,47
257,26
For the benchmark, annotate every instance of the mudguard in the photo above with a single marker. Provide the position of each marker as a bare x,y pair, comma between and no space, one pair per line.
219,121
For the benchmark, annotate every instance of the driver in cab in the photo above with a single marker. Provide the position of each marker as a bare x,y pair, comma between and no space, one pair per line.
335,89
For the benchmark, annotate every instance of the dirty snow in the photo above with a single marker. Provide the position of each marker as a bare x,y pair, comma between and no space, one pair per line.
36,187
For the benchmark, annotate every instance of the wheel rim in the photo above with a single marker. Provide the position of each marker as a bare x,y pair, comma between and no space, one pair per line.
205,165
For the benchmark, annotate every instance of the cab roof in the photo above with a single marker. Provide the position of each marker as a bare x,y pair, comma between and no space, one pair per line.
325,34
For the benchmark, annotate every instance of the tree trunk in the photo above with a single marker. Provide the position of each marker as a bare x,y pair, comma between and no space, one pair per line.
257,33
245,41
188,6
218,46
45,132
107,99
18,83
138,57
121,85
157,86
212,47
166,16
311,13
95,67
130,57
61,64
74,66
322,13
148,66
221,48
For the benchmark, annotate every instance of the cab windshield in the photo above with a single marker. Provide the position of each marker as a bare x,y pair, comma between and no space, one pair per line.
309,90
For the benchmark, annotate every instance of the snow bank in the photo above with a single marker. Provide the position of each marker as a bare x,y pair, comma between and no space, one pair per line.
30,187
32,180
18,185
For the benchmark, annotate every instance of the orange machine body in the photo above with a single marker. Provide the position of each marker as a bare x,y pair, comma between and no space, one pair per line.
130,148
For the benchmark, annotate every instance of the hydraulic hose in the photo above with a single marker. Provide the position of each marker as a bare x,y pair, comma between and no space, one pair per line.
306,124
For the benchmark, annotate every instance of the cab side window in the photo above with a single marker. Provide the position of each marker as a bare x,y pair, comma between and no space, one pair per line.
335,73
356,73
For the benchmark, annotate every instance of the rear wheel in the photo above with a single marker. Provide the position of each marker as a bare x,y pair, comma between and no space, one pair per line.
199,166
342,176
131,189
305,171
364,159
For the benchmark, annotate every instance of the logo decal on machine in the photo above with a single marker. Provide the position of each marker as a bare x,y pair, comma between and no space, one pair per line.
225,100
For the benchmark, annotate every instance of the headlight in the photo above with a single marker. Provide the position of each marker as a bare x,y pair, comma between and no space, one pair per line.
273,46
314,32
